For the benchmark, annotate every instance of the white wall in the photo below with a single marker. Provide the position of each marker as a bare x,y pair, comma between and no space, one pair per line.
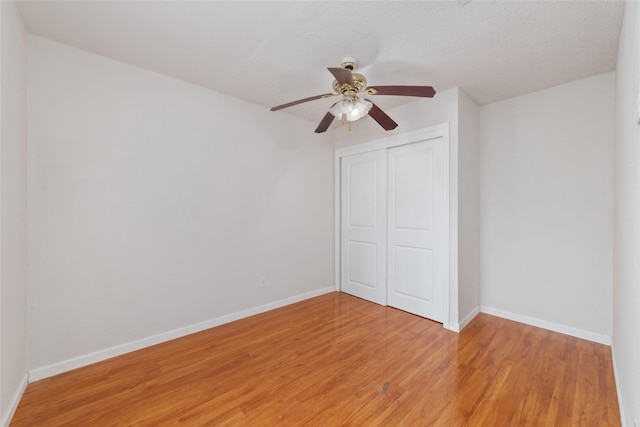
468,208
454,107
13,210
155,204
626,283
546,174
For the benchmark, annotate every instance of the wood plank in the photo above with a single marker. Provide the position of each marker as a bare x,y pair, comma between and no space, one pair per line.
339,360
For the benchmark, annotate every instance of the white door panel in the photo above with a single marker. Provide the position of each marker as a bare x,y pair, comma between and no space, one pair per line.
413,267
415,228
412,177
364,221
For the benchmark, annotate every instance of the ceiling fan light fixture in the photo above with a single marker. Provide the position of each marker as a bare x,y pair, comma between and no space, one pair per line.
351,109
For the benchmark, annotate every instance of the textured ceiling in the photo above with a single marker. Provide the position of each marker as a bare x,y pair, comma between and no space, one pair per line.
270,52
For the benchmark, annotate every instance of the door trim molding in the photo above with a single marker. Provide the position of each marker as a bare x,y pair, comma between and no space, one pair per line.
432,132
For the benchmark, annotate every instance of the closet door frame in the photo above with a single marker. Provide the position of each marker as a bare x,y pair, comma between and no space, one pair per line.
434,132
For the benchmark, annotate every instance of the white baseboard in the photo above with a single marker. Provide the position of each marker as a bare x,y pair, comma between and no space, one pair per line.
451,326
544,324
457,327
469,317
87,359
15,400
616,379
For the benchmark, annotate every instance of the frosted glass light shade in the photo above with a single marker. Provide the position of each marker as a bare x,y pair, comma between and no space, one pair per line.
351,109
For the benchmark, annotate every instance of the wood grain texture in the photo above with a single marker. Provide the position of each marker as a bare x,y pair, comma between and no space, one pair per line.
338,360
381,117
301,101
422,91
325,122
342,75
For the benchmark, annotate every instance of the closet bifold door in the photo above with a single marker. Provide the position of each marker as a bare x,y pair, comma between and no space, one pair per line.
364,225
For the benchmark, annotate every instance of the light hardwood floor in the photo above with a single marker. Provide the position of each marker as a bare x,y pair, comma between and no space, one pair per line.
337,360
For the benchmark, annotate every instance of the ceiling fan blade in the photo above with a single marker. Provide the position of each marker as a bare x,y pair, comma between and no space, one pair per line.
381,117
300,101
423,91
325,122
342,75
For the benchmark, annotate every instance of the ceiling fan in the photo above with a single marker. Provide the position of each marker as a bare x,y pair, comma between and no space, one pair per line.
351,106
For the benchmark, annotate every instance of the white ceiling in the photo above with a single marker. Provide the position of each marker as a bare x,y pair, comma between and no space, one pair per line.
271,52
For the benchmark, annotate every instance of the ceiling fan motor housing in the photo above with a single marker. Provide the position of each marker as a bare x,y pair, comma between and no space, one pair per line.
359,84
